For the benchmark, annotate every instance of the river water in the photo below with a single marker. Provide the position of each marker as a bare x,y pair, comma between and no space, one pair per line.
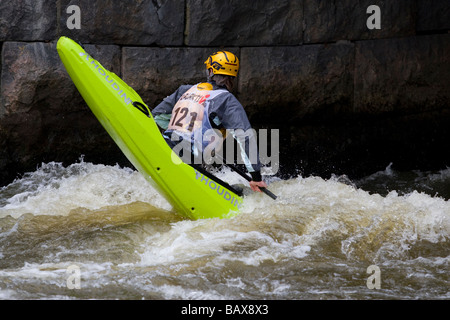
89,231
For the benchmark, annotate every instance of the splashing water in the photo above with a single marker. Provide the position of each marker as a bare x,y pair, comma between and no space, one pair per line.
315,241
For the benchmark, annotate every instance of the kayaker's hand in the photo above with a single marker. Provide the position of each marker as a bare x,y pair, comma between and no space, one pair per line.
256,184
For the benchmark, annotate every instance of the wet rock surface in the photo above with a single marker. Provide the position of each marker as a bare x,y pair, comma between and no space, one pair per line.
346,99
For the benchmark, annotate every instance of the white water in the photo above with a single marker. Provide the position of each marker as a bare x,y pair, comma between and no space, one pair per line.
55,190
315,241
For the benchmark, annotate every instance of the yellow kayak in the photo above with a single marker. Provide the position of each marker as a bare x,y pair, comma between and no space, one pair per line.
193,193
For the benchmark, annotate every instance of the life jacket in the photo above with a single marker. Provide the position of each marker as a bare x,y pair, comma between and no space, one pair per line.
190,115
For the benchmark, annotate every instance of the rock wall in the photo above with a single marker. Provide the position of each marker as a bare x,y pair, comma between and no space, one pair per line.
346,98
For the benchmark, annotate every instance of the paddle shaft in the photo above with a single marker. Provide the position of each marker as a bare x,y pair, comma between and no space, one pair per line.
244,175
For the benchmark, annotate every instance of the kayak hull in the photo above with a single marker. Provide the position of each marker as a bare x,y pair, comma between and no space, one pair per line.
191,193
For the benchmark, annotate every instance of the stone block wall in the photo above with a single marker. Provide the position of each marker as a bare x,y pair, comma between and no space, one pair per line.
347,99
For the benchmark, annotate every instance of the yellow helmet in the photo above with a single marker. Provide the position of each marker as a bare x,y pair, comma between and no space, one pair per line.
223,62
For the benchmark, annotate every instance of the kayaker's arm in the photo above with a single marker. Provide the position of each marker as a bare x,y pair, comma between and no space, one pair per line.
234,119
246,141
162,120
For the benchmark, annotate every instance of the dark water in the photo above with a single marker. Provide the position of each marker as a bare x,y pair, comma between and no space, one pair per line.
100,232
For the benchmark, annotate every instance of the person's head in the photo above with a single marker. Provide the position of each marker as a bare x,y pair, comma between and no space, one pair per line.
222,67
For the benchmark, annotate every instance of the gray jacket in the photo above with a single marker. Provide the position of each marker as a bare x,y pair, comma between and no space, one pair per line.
225,111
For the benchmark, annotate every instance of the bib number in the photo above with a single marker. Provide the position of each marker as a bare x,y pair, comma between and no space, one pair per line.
186,117
179,118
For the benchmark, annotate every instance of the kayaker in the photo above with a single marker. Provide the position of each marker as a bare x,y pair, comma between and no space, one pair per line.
193,111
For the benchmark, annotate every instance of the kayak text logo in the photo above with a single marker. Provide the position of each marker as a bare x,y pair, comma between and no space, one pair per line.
209,148
108,77
221,191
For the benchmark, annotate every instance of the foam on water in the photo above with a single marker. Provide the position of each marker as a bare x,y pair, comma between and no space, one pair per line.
56,190
317,238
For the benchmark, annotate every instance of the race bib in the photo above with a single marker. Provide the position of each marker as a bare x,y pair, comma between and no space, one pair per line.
188,112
